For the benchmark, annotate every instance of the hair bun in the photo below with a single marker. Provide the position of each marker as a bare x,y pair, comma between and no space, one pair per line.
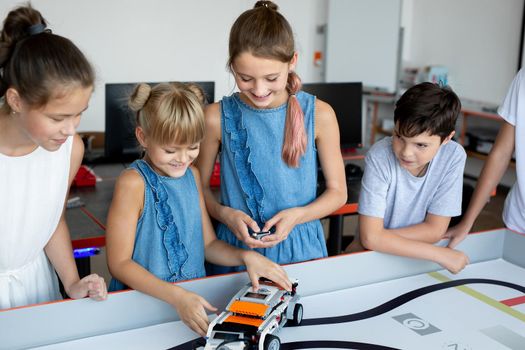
38,28
16,28
139,97
5,53
197,90
268,4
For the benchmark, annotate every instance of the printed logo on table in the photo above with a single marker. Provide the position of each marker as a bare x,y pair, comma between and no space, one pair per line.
417,324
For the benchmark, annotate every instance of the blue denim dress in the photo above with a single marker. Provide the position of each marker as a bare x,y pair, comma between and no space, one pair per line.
256,180
168,241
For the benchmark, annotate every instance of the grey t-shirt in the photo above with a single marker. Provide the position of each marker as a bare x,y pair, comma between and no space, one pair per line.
391,192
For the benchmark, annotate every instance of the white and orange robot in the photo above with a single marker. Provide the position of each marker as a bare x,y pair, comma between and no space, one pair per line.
252,318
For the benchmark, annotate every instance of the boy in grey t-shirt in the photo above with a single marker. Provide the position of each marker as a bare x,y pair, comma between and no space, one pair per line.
412,183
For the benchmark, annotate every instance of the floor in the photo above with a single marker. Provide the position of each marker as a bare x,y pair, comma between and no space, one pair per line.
490,216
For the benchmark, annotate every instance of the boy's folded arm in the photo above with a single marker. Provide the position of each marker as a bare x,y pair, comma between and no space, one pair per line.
432,230
375,237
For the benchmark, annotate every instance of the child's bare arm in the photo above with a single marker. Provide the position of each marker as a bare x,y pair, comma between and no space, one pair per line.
432,230
492,172
209,148
60,251
209,233
331,162
375,237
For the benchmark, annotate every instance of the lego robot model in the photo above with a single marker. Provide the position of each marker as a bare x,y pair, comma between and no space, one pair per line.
253,318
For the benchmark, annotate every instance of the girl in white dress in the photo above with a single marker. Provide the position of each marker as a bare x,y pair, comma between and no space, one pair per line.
45,85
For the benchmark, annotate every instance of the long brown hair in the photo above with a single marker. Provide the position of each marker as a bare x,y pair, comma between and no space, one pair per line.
264,32
36,62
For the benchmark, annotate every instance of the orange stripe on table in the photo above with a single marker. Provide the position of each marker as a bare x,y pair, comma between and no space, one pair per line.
514,301
91,242
349,208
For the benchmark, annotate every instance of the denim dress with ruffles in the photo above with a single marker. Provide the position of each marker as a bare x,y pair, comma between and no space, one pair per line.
168,239
256,180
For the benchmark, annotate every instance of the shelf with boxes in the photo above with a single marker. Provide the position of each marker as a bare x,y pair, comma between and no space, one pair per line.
377,123
480,124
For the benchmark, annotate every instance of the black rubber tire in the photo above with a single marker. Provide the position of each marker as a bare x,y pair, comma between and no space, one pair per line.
272,342
297,314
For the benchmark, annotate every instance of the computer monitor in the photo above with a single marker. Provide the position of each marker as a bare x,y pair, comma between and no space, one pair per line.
346,100
120,142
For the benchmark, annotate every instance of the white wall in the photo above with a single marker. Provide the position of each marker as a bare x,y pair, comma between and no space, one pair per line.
163,40
478,40
407,12
363,42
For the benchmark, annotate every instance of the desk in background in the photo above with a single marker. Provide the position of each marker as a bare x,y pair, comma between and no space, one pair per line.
336,219
469,113
373,99
87,224
476,110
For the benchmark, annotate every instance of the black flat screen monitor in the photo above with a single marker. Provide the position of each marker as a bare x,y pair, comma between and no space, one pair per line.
346,100
120,143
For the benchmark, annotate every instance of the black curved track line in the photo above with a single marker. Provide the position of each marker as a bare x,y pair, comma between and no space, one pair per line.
376,311
189,345
405,298
312,344
333,344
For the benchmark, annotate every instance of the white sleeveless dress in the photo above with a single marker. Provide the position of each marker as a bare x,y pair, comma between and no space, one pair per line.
33,189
